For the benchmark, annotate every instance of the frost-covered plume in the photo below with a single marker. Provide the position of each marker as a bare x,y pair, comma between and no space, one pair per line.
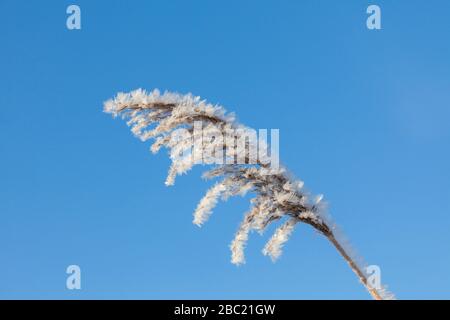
281,235
173,121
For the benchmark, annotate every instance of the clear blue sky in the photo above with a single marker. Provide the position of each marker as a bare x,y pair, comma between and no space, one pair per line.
363,117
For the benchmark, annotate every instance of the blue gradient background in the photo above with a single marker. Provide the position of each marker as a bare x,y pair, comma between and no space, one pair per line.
363,118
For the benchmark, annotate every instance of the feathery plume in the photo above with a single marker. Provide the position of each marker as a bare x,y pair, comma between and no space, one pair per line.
281,235
193,131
